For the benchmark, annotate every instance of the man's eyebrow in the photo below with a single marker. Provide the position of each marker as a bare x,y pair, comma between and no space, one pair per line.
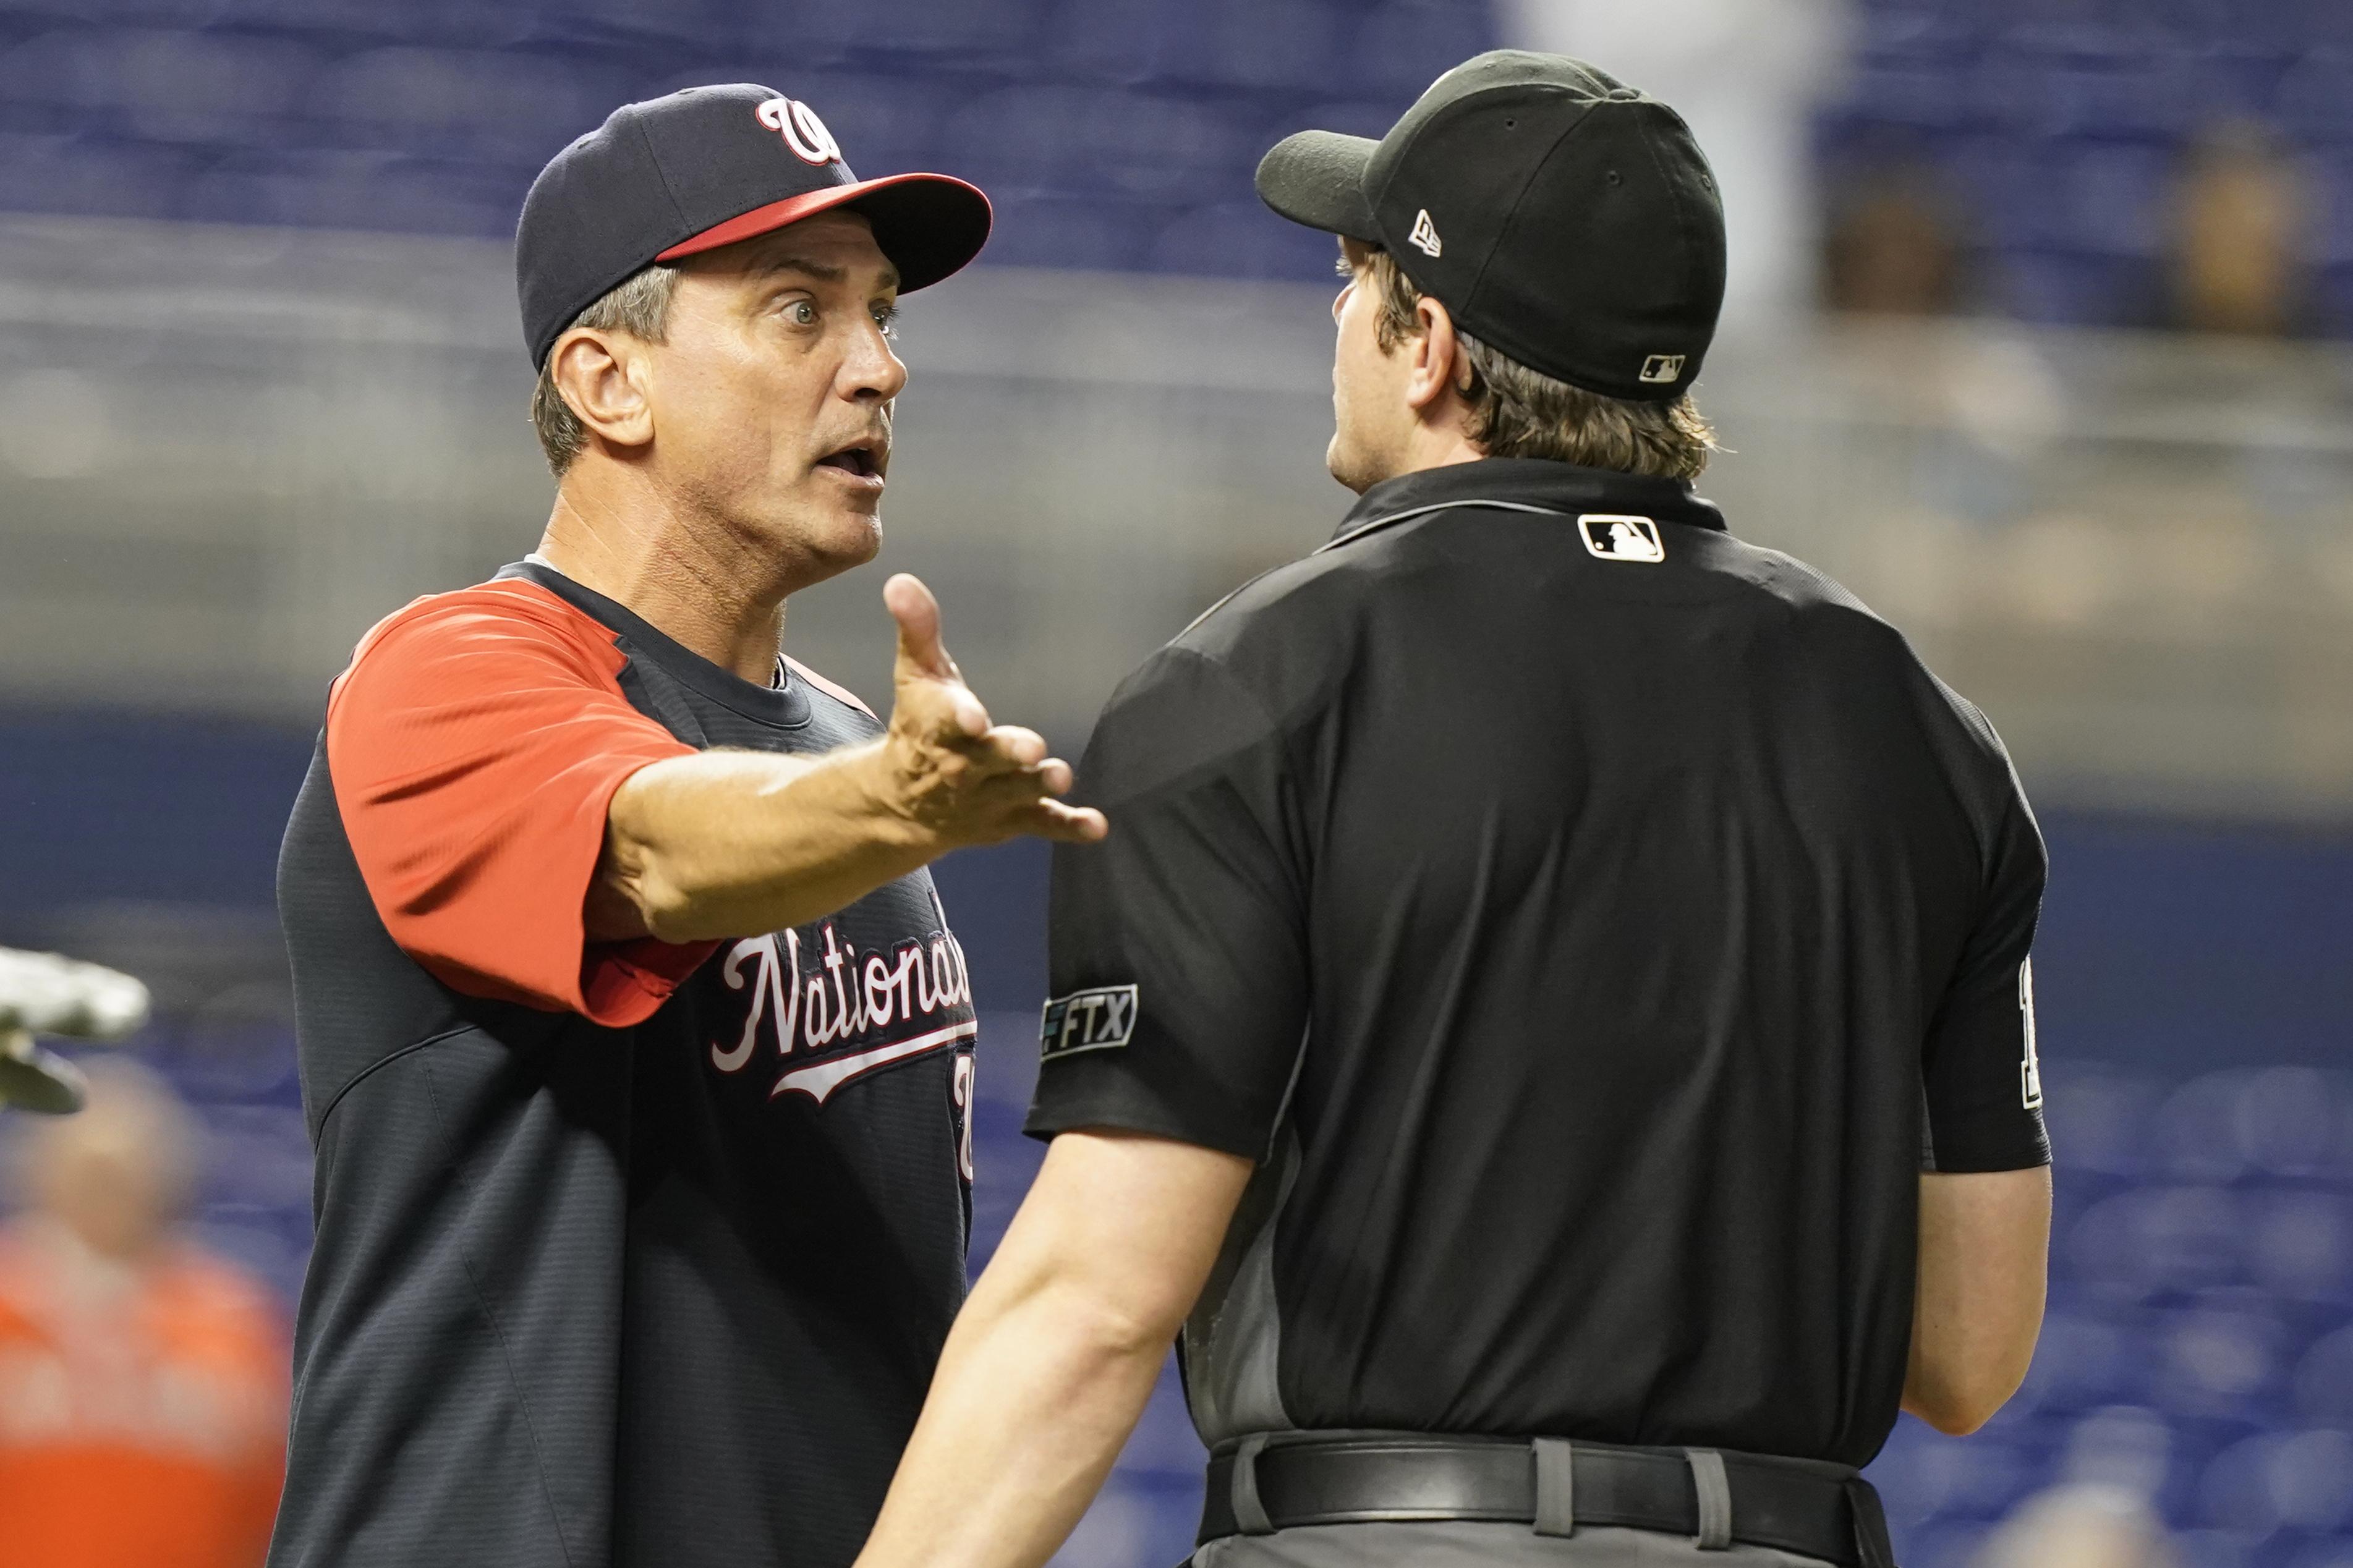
825,272
821,272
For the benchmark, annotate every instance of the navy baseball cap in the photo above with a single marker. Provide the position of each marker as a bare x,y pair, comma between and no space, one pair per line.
706,167
1560,215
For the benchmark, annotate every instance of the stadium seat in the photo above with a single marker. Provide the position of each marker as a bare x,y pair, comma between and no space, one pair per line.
2316,97
956,34
1254,44
1404,43
2323,1381
472,105
172,86
2294,1481
1112,42
1244,239
81,173
2147,1241
2299,1245
1072,139
1096,233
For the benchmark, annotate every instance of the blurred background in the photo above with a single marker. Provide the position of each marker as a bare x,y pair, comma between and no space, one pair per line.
2041,339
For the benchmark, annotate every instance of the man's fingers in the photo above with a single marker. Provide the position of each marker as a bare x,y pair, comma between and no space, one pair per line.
921,650
1022,748
997,781
1069,823
942,712
948,710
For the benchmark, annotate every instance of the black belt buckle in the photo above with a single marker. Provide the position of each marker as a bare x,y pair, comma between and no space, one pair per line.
1268,1482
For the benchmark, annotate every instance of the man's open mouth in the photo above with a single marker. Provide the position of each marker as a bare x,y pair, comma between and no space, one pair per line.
863,460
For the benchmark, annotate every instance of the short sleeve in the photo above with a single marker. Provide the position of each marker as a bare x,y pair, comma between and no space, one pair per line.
1177,948
475,744
1983,1083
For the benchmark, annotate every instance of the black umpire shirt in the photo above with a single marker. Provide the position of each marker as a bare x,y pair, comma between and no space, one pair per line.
1593,923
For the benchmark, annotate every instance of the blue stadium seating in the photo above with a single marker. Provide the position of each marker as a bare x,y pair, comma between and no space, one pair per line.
1121,133
2059,127
1116,133
2202,1307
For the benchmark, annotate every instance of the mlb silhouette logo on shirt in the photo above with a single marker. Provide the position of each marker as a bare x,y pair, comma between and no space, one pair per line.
1615,538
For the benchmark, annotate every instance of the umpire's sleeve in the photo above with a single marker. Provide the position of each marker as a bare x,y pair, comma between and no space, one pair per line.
1178,953
1983,1083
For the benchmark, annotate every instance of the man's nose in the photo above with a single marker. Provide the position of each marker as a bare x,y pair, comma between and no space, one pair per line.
874,372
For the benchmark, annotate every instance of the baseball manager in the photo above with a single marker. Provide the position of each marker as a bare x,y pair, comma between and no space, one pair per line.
1553,1026
634,1041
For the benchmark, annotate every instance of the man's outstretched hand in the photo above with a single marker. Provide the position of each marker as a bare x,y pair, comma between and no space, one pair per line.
953,775
728,844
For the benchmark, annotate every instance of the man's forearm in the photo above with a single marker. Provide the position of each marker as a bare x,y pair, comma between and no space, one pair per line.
1035,1395
723,842
1050,1361
1985,1242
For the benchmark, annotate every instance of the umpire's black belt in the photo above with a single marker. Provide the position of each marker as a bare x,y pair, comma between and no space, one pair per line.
1261,1484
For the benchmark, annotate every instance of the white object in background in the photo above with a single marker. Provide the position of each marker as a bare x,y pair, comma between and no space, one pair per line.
42,992
1746,75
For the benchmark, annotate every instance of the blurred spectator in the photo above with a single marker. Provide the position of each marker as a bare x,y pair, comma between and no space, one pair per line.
2239,241
142,1385
2079,1527
1893,247
1746,74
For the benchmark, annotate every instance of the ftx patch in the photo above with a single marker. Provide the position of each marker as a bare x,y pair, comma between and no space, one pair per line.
1097,1020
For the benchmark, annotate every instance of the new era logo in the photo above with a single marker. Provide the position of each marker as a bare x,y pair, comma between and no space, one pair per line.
1663,367
1616,538
1424,236
1097,1020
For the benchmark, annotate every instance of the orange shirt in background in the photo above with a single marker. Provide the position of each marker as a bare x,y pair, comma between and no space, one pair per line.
142,1411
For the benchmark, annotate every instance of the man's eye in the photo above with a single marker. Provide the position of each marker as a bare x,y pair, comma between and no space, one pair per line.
801,313
887,318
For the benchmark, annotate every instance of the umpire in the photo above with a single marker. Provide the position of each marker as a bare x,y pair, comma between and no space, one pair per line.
1553,1022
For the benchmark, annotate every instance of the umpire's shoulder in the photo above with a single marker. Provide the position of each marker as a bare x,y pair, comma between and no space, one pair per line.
1858,644
1282,625
1251,670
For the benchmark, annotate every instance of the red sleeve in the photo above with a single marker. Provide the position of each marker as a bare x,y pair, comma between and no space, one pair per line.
475,744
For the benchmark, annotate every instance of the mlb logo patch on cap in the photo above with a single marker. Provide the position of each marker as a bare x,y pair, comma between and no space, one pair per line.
1615,538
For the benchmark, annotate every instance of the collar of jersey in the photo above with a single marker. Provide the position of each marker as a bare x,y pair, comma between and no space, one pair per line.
1524,484
785,704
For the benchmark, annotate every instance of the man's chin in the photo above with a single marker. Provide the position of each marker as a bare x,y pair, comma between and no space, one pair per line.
845,541
848,541
1350,466
807,544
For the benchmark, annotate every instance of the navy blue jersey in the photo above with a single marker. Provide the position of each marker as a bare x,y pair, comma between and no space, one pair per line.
630,1253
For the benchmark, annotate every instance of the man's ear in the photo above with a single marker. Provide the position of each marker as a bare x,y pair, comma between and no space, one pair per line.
602,375
1436,357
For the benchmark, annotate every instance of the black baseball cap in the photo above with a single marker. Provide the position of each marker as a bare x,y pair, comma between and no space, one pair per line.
1562,217
703,168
